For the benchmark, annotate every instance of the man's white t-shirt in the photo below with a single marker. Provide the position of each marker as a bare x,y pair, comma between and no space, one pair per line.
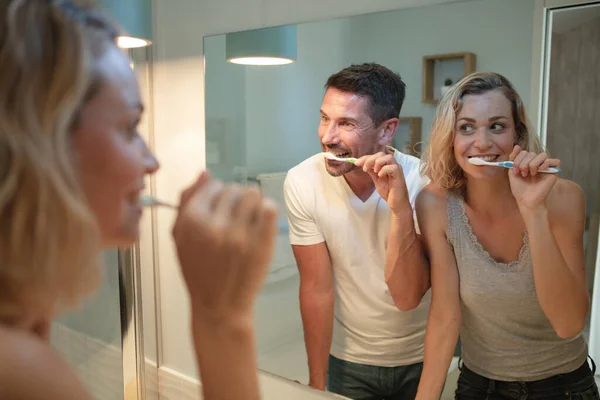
368,328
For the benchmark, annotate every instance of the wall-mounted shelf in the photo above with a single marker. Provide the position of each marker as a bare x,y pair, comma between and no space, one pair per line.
414,135
438,67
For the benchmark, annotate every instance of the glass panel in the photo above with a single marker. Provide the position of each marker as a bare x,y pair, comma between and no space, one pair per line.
146,337
90,338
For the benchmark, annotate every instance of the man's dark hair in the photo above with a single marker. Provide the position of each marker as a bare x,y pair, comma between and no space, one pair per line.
384,89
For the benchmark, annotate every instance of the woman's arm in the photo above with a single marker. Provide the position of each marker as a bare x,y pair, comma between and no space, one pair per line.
444,321
224,237
556,241
554,215
226,355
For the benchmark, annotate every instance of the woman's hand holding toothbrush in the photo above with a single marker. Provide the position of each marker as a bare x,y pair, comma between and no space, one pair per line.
530,187
224,235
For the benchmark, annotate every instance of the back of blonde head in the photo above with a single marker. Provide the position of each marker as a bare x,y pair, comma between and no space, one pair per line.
49,240
439,163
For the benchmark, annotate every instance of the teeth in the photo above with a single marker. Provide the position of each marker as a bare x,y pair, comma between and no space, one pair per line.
486,158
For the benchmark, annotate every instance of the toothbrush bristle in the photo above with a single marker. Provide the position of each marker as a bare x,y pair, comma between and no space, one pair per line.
477,161
336,158
330,156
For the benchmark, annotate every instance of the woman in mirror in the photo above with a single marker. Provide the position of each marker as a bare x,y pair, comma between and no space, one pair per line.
72,169
506,253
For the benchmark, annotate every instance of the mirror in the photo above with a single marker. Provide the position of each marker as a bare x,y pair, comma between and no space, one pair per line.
262,120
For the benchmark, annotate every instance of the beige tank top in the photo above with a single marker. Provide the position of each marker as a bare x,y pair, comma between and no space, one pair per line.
505,334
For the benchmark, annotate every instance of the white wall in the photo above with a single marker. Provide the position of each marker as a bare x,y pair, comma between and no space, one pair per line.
178,84
498,32
226,113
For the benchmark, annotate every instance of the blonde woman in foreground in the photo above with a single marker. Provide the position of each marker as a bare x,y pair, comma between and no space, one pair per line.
506,252
72,168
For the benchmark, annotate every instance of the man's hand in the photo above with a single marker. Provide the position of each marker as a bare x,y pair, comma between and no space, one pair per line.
388,177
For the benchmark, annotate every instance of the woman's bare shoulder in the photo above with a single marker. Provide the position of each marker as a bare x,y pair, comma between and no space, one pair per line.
431,207
566,202
432,196
31,369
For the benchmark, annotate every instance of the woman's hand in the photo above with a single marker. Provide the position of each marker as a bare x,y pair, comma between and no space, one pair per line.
224,236
528,185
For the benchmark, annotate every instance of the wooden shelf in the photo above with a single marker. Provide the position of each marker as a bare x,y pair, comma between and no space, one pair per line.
468,59
414,128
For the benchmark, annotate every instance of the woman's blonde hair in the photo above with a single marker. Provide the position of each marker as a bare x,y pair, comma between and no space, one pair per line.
49,238
438,161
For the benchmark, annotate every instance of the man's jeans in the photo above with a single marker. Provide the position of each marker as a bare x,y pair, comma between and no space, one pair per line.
367,382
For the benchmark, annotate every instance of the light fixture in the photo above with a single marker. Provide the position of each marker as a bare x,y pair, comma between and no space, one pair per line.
268,46
129,42
135,17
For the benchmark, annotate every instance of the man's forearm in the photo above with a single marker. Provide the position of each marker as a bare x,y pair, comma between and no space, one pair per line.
406,268
317,319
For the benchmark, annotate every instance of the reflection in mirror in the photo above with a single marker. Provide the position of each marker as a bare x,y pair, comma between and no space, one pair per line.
263,120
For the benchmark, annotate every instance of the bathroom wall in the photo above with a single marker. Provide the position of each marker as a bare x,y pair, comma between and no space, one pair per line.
226,113
499,32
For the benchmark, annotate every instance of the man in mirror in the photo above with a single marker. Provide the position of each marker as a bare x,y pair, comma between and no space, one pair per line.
364,279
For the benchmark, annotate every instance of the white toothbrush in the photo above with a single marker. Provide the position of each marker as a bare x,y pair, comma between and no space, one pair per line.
147,200
336,158
509,164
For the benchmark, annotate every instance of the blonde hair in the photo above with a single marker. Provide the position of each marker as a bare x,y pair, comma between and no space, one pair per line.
49,238
438,161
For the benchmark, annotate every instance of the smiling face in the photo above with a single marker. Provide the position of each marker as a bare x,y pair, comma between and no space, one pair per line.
347,130
111,157
484,128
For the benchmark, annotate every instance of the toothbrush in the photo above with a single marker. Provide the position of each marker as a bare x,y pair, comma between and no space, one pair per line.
336,158
147,200
509,164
